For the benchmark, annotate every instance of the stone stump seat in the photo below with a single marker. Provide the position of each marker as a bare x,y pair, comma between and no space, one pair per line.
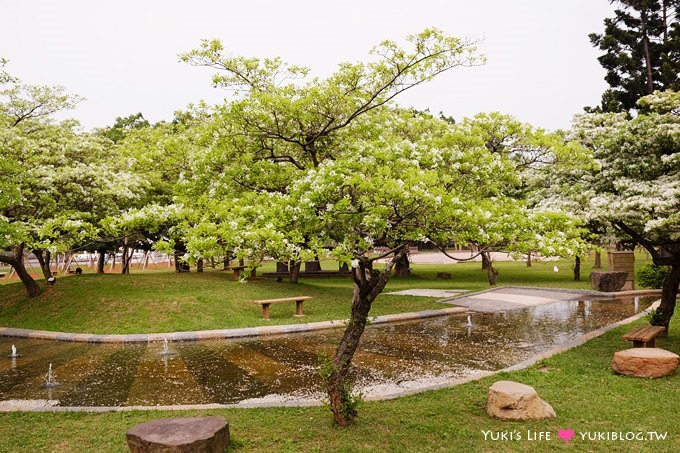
608,281
645,362
180,435
510,400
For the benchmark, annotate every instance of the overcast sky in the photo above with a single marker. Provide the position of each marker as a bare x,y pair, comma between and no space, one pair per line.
122,55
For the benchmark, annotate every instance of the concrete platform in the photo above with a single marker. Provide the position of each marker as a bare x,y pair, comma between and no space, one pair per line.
513,298
438,293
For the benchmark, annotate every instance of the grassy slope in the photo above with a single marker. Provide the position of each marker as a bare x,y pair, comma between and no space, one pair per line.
166,301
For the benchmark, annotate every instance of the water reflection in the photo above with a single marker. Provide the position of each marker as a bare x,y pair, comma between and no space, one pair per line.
390,358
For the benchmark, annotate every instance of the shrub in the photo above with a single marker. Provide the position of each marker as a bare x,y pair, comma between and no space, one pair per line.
652,276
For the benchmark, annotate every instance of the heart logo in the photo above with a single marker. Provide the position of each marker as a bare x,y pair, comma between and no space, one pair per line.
565,434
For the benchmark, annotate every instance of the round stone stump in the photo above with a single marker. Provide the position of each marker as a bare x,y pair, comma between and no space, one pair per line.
645,362
510,400
190,434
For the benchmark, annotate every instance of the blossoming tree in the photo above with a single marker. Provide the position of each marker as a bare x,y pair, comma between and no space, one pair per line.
55,182
635,181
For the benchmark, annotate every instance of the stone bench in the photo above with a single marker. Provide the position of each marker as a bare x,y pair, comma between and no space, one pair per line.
265,303
645,362
510,400
644,336
170,435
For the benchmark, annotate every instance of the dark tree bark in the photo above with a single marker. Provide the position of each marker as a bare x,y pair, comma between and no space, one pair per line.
15,258
491,273
127,257
295,271
101,260
486,260
529,259
180,264
669,294
199,265
368,284
577,269
44,258
402,267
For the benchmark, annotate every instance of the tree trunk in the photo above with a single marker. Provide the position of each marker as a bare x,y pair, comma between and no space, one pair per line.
368,284
16,259
294,271
491,273
486,260
199,265
127,259
180,265
402,268
529,259
101,261
577,269
646,54
44,258
668,298
598,260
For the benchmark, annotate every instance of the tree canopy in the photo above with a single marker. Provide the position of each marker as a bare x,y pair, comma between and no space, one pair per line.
641,46
634,183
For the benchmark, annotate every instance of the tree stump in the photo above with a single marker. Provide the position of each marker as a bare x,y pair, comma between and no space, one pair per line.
510,400
645,362
181,435
608,281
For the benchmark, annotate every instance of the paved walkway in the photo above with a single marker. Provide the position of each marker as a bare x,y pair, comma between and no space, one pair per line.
513,297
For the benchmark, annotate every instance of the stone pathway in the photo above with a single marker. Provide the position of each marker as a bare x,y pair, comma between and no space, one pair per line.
513,298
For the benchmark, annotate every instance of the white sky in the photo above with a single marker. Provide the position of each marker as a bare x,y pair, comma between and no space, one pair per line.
122,55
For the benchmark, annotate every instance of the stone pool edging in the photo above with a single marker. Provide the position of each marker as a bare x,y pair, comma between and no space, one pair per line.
219,334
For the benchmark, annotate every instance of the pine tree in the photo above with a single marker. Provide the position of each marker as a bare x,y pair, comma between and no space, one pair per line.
641,45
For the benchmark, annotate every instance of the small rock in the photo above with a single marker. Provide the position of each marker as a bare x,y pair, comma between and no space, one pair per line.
645,362
510,400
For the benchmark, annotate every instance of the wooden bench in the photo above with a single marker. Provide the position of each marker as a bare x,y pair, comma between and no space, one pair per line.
644,336
237,271
267,302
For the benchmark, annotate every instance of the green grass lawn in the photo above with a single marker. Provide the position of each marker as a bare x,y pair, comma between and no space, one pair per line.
164,301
